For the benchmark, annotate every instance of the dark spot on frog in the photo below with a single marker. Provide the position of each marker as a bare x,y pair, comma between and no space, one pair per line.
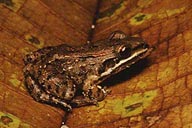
140,17
49,76
6,120
7,2
101,69
34,40
108,63
82,70
57,89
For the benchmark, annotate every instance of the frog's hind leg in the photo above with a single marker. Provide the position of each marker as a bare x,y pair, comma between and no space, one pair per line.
39,95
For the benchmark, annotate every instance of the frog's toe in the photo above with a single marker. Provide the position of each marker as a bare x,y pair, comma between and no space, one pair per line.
97,104
104,92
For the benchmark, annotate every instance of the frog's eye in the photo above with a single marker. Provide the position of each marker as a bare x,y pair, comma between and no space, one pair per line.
125,51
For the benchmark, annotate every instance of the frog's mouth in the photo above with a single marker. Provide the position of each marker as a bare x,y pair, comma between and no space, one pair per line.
127,62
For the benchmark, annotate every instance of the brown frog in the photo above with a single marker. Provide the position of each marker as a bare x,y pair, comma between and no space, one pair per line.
70,76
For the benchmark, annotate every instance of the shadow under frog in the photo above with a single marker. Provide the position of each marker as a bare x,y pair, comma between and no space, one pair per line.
69,77
127,74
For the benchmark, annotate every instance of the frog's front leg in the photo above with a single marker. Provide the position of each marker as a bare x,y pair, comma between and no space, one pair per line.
91,96
39,95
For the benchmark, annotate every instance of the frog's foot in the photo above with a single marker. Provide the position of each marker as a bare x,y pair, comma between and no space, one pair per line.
39,95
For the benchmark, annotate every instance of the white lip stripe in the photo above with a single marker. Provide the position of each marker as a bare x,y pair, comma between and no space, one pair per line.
122,62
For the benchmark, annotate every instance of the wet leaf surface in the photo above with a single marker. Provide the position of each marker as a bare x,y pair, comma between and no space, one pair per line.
154,93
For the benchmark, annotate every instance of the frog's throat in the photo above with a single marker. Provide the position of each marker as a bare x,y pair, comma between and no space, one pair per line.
136,54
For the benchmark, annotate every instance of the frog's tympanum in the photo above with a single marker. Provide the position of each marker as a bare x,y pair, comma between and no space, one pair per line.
70,76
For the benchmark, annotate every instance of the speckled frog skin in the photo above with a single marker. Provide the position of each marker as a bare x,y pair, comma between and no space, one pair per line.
70,76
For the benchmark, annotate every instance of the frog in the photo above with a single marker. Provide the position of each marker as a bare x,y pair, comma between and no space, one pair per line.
71,76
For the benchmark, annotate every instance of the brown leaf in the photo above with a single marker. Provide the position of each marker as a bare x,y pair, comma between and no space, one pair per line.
155,95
